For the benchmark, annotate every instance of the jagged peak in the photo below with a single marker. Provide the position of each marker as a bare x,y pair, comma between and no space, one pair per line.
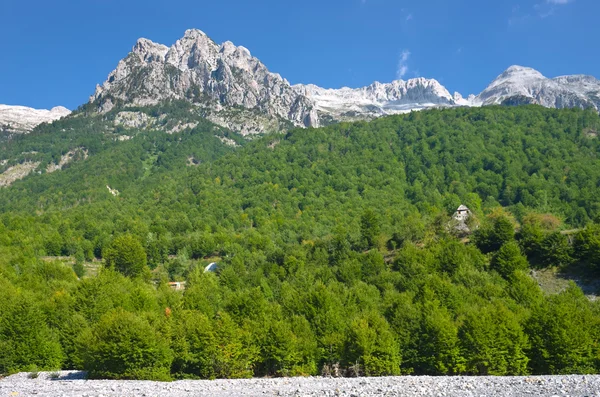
194,33
149,50
144,44
227,47
244,51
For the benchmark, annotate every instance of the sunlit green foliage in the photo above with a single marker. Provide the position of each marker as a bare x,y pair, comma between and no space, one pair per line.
334,246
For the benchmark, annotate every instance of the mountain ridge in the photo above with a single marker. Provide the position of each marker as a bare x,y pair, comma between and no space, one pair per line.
219,78
234,89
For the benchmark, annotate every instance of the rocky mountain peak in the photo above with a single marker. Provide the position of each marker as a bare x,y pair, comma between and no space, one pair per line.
149,51
517,75
523,85
517,69
194,33
222,80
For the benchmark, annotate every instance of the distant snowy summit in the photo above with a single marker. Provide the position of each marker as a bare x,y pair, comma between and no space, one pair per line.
21,119
521,85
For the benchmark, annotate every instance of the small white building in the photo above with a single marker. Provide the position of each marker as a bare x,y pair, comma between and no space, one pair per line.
459,220
462,213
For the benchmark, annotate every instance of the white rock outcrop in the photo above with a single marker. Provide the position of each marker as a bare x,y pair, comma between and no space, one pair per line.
17,172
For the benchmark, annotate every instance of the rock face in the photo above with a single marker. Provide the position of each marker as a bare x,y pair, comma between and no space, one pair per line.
216,77
377,99
234,89
16,172
21,119
521,85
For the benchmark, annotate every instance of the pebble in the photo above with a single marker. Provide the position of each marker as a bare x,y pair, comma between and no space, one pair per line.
73,384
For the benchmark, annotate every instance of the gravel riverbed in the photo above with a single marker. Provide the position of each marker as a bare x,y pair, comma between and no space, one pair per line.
71,384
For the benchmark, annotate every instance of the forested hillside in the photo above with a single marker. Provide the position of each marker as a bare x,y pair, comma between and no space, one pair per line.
335,247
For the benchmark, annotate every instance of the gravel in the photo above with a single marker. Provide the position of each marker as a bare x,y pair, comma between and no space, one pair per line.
71,384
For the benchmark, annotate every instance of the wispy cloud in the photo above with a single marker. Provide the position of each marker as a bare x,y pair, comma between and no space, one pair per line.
541,10
550,7
402,64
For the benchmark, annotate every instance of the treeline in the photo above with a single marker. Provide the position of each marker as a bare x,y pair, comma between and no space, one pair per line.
335,250
437,307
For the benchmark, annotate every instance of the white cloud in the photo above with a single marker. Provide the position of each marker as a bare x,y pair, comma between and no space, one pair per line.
402,64
540,10
549,8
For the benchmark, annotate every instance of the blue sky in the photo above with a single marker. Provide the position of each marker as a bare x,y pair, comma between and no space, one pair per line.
55,52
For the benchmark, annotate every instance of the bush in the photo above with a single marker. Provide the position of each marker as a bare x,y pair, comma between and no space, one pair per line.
509,259
26,341
555,250
124,346
126,255
371,345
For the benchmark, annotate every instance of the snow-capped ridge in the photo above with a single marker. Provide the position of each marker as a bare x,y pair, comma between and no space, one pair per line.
22,119
520,85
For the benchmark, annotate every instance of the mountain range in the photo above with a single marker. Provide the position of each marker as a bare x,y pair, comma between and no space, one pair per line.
231,88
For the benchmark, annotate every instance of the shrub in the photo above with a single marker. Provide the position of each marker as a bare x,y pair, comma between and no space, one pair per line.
26,341
509,259
126,255
124,346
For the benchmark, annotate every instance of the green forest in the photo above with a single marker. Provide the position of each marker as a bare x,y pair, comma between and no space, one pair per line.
335,247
